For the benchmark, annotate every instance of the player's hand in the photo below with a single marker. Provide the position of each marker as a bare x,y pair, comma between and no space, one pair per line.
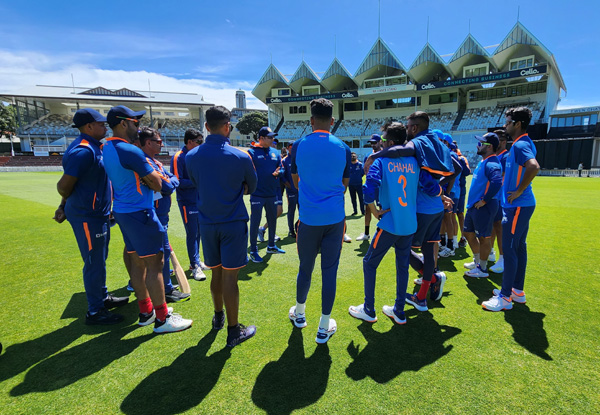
447,202
380,212
245,188
276,172
513,195
479,204
368,163
59,215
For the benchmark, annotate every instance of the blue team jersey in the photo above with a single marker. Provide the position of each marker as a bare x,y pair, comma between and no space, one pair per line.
125,165
186,191
287,175
266,161
455,191
466,171
429,191
397,180
91,195
486,181
356,173
521,150
219,172
169,183
502,160
321,161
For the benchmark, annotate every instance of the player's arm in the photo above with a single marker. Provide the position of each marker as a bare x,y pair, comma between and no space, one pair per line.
372,183
153,181
59,213
449,180
532,168
406,150
293,166
250,177
180,173
65,186
346,174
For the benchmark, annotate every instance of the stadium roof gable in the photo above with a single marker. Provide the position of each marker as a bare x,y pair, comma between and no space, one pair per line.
428,65
470,52
123,92
272,78
337,77
519,35
304,75
378,63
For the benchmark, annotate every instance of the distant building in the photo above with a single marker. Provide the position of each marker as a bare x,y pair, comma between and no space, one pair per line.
240,99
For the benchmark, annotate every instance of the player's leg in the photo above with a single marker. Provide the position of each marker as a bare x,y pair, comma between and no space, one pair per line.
498,267
256,208
431,235
291,213
519,227
190,223
271,209
353,197
402,246
361,201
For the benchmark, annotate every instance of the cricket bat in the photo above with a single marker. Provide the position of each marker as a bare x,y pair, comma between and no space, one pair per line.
181,277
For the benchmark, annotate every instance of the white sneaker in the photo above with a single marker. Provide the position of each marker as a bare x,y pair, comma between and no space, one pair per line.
446,252
347,238
147,319
420,255
418,281
388,310
477,273
498,267
277,238
299,320
497,303
363,237
324,335
492,256
198,274
517,298
203,266
470,265
173,323
360,313
261,234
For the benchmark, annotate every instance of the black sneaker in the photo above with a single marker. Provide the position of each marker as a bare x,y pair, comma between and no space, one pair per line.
292,234
103,317
239,334
463,242
176,296
437,290
218,320
146,319
111,301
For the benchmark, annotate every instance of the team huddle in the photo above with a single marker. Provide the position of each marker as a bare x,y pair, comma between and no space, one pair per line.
415,186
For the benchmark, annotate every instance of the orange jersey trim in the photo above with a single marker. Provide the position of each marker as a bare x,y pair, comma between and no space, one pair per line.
137,183
376,240
175,158
442,173
514,224
87,235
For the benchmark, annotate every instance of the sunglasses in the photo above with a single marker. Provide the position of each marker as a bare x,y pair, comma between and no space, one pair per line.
133,120
480,144
158,141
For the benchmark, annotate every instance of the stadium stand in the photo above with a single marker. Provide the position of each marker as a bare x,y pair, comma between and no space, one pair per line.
293,130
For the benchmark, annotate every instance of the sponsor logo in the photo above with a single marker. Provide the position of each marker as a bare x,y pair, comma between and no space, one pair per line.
348,95
530,71
275,100
101,235
428,86
192,212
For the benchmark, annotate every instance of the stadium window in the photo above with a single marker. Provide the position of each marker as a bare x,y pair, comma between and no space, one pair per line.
106,111
293,110
442,98
520,63
561,122
476,70
569,122
73,110
374,83
169,113
554,122
586,120
356,106
283,92
577,120
302,109
593,119
156,113
311,90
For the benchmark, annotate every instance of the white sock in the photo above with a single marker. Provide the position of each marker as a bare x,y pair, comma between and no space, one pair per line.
300,308
483,265
324,323
517,291
476,258
492,252
455,240
500,258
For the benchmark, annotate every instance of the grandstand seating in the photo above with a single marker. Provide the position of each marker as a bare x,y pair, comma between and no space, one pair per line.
488,117
293,130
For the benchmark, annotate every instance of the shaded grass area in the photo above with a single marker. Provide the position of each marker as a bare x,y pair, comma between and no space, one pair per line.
456,358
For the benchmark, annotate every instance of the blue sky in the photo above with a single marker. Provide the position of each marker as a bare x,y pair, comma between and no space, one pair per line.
215,48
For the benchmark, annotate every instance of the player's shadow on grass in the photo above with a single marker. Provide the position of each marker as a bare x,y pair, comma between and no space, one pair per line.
294,381
182,385
362,248
78,362
19,357
415,345
481,287
251,268
528,329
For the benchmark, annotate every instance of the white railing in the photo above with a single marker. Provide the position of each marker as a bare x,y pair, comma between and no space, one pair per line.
570,173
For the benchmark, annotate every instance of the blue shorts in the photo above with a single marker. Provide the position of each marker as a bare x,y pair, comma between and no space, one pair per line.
428,228
278,197
481,220
142,232
499,214
454,208
224,244
461,201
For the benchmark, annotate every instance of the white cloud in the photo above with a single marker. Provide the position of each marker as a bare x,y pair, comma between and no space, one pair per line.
26,69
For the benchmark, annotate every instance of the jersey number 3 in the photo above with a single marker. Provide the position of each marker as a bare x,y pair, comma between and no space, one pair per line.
402,181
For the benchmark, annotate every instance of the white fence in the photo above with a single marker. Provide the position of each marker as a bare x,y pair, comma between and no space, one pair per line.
570,173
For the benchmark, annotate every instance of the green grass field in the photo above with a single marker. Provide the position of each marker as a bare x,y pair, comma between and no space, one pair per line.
542,357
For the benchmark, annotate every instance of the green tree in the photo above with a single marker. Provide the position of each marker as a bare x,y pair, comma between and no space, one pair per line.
8,120
251,123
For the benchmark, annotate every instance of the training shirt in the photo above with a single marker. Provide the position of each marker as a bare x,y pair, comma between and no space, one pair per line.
397,180
91,195
502,160
521,150
466,171
169,183
219,172
486,181
356,173
266,161
186,191
455,191
321,161
125,165
287,175
429,194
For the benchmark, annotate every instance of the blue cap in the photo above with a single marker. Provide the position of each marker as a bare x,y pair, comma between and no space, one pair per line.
266,132
439,133
85,116
122,111
448,138
290,143
453,146
375,138
490,138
